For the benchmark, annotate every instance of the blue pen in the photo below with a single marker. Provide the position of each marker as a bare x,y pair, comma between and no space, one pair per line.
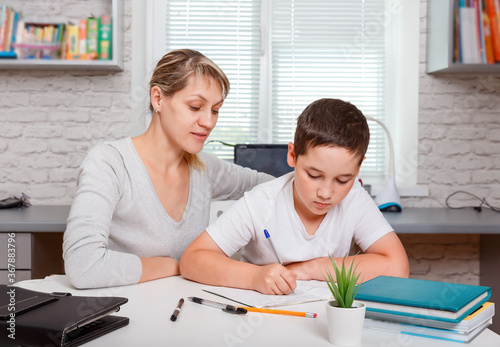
268,237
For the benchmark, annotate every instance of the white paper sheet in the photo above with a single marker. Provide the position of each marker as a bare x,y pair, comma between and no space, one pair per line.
306,291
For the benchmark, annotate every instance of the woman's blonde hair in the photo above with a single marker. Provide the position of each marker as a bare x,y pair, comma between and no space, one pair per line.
172,75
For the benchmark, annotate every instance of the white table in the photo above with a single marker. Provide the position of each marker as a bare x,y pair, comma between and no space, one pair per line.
151,304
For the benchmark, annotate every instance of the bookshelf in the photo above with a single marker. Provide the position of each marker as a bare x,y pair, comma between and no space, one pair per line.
115,64
440,42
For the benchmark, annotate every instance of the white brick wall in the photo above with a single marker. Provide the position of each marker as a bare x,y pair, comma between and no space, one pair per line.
459,135
439,257
50,119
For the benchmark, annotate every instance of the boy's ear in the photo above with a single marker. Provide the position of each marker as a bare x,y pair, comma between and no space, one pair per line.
290,158
359,167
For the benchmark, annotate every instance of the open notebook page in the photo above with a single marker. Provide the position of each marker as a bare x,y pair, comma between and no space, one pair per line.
306,291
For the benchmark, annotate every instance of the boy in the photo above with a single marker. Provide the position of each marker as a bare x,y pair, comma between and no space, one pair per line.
316,211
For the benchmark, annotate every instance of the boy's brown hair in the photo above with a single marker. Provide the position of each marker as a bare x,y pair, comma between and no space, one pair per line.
332,122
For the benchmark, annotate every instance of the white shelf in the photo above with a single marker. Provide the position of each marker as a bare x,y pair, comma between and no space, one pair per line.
440,42
59,64
115,64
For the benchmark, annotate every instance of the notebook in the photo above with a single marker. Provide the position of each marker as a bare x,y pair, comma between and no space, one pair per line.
306,291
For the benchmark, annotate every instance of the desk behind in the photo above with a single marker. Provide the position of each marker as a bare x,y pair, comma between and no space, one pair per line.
151,304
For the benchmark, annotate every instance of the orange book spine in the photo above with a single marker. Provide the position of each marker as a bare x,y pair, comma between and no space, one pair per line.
488,40
82,47
4,15
495,34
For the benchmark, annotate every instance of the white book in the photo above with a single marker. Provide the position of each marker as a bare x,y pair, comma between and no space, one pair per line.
469,36
19,39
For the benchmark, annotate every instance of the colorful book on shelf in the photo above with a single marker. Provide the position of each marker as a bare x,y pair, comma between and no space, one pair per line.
494,27
62,41
434,333
488,40
72,40
82,37
105,37
8,30
469,36
13,31
484,313
478,7
92,37
19,39
59,38
443,301
4,17
48,40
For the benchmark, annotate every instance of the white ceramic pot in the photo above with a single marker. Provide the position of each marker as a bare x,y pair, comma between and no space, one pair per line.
345,325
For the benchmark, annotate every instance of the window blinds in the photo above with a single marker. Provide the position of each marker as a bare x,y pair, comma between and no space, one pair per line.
228,32
317,48
328,49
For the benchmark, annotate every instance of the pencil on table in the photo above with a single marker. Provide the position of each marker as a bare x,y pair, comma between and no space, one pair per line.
289,313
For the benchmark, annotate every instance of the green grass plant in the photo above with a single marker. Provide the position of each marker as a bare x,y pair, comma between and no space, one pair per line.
343,286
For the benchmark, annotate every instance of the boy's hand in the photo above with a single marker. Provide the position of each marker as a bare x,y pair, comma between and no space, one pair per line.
302,270
274,279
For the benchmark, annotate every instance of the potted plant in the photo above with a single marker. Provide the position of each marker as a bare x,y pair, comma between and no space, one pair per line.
345,316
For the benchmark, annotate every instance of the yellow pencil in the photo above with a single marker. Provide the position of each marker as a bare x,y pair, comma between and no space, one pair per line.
289,313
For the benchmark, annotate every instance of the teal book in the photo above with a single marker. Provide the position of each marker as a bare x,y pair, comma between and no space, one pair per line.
422,299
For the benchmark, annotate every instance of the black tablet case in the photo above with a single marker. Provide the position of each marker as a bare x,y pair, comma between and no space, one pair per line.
55,319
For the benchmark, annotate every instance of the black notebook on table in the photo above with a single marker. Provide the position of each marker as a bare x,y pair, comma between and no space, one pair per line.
30,318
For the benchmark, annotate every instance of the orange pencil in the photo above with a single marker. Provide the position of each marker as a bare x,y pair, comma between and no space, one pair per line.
289,313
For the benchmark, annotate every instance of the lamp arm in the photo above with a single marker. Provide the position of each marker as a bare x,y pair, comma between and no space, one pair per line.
391,145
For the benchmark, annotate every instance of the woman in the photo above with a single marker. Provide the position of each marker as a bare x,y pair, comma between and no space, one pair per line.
141,201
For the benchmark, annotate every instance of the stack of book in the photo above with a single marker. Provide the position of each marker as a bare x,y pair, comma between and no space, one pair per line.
476,31
440,310
90,39
37,41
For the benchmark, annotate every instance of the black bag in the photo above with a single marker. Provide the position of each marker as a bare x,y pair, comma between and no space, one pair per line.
15,202
30,318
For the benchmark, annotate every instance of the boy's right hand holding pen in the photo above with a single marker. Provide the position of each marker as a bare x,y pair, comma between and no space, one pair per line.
274,278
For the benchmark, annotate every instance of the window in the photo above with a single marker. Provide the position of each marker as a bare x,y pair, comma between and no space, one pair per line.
228,32
281,55
327,49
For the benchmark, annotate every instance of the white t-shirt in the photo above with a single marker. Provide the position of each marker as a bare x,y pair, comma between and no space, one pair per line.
270,206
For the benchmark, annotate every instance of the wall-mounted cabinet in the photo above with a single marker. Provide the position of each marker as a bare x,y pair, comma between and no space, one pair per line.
114,64
440,38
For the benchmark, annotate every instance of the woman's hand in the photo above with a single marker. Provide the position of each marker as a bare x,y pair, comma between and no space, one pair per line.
158,267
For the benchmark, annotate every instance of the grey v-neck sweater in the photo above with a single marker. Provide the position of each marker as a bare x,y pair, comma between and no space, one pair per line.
116,215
